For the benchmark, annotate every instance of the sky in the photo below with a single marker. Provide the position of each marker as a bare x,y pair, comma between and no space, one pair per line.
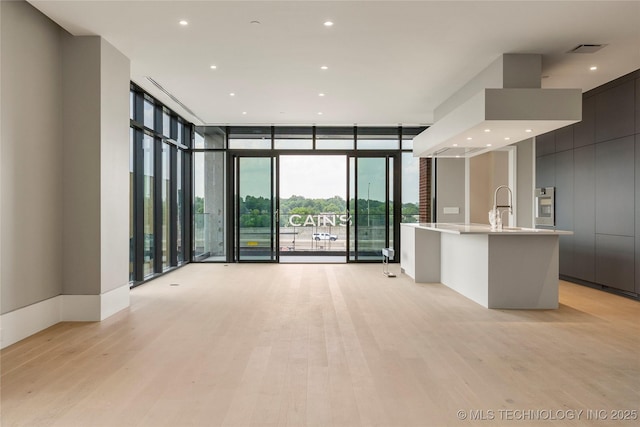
314,177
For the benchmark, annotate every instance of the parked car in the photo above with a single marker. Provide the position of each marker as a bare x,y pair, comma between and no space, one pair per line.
325,236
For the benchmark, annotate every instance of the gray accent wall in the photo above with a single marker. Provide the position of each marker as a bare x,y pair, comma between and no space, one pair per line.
524,182
31,141
450,189
64,177
81,106
595,167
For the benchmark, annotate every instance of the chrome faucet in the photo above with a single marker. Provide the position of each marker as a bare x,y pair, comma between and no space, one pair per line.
496,207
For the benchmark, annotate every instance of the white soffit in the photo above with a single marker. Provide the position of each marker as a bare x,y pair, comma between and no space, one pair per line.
497,117
478,119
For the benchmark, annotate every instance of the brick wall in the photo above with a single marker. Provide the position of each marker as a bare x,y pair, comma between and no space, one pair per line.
425,190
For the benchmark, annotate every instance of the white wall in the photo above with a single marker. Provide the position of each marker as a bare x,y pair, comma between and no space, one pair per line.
31,169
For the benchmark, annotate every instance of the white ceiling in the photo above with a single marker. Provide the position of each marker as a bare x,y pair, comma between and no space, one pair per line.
390,62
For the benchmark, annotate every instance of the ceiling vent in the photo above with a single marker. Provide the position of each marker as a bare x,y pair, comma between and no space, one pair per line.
173,98
587,48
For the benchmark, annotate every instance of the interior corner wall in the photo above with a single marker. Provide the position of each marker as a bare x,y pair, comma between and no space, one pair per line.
114,168
450,189
31,157
81,178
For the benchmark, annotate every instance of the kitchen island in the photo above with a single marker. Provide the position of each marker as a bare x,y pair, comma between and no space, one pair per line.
512,268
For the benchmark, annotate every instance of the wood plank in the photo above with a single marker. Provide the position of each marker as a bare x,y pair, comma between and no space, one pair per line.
321,345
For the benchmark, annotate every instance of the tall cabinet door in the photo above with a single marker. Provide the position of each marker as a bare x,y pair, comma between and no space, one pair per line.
584,213
564,209
615,213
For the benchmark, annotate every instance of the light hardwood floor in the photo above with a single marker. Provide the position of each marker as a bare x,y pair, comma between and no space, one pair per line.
325,345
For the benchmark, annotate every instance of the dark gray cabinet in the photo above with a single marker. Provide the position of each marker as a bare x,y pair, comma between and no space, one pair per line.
564,208
545,144
637,254
615,187
584,213
584,132
594,166
564,139
546,171
615,213
615,263
615,112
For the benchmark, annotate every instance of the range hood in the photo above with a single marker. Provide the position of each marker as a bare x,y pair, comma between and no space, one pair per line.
502,105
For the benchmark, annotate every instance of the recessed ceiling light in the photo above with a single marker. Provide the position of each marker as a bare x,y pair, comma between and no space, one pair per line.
321,94
232,94
183,23
244,112
487,130
324,67
507,138
488,145
213,67
469,138
528,130
455,145
319,113
328,24
593,68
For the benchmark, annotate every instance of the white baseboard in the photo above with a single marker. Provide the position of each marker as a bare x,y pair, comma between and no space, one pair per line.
113,301
26,321
19,324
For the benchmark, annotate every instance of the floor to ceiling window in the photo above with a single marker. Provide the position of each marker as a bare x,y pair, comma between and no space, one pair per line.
159,164
209,195
148,205
166,205
230,223
192,190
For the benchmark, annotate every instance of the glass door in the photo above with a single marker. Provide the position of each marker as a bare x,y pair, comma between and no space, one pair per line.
313,212
256,210
371,192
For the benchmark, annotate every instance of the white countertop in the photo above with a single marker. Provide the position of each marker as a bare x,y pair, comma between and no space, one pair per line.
454,228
